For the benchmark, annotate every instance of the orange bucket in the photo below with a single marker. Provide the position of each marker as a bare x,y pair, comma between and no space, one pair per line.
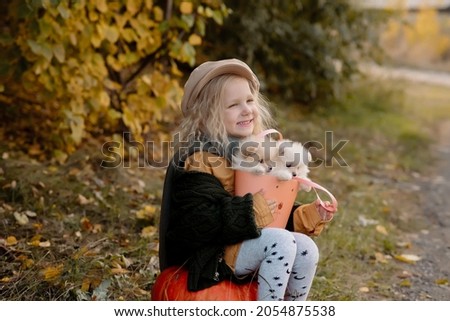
283,192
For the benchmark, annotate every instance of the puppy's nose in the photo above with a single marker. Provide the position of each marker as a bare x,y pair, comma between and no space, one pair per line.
294,174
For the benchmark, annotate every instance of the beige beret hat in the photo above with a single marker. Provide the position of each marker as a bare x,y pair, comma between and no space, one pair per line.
201,75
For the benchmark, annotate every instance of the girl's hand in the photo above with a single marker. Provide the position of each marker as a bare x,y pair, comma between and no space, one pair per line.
324,214
273,205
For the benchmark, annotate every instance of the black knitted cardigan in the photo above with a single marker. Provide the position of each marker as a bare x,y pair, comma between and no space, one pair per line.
198,219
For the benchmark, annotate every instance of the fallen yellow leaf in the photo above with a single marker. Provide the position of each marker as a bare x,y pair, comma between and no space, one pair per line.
407,258
381,229
364,289
52,272
21,218
380,257
11,240
38,226
147,212
85,285
37,237
33,243
405,283
148,232
35,240
44,244
141,291
27,263
441,281
119,271
83,200
405,274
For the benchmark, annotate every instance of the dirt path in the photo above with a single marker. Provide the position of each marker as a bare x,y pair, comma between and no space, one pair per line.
430,275
424,76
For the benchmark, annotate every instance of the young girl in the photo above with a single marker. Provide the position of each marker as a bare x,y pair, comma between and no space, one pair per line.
207,229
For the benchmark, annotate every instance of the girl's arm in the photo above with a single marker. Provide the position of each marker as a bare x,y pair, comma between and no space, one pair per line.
205,213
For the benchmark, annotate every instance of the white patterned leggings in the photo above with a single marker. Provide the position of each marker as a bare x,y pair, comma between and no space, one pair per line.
286,263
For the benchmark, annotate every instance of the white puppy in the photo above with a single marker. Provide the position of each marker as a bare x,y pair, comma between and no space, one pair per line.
291,161
253,156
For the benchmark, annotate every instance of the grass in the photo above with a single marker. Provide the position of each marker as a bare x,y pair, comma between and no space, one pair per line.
85,233
78,231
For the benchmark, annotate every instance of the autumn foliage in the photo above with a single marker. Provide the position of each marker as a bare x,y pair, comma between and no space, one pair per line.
70,69
422,38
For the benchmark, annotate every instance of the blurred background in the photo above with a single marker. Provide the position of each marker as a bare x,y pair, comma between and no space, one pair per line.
89,103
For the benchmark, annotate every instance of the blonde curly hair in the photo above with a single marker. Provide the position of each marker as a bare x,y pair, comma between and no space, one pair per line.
205,116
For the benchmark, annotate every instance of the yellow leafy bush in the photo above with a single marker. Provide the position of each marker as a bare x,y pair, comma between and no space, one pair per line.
417,37
74,69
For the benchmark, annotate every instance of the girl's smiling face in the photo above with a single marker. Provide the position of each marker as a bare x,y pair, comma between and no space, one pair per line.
240,108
